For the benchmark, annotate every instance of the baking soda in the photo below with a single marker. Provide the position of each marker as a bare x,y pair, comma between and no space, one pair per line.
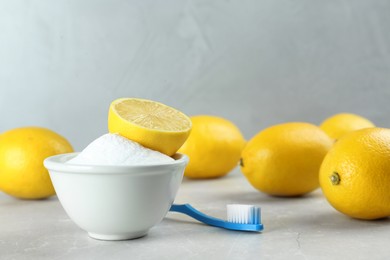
113,149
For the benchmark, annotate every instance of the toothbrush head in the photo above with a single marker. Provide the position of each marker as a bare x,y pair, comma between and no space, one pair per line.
244,217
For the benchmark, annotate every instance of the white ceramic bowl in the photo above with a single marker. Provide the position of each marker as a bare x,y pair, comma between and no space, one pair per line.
116,202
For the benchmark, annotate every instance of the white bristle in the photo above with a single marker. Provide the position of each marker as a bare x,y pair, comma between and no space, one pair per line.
243,214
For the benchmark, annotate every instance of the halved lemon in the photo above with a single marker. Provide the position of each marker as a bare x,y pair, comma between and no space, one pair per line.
150,123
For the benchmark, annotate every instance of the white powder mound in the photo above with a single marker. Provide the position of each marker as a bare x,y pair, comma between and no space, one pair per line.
113,149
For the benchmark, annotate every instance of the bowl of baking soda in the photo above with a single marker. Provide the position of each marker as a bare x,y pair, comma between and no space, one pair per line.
116,189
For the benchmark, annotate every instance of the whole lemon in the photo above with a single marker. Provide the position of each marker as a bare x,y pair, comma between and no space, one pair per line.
284,160
214,147
355,174
22,151
343,123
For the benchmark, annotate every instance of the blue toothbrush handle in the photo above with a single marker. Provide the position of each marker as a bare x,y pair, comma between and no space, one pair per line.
194,213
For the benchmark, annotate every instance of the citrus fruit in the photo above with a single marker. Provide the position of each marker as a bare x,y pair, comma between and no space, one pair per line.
340,124
355,174
151,124
214,147
284,160
22,151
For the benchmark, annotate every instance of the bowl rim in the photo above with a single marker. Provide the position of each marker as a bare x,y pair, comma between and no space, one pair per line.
57,164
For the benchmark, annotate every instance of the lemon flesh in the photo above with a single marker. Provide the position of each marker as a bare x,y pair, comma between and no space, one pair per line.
150,123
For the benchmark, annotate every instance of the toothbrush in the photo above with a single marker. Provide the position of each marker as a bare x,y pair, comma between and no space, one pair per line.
239,217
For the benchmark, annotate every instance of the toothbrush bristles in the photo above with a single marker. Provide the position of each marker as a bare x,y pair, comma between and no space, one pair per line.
243,214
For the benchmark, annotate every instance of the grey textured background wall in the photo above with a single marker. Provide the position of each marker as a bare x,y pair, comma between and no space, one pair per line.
255,62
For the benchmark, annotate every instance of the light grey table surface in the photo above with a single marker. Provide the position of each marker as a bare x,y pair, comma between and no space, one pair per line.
295,228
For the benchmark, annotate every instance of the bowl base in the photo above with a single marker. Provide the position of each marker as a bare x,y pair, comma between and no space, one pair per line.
122,236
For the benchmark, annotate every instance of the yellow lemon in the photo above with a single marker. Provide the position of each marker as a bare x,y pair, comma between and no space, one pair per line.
22,151
214,147
284,160
152,124
355,174
340,124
